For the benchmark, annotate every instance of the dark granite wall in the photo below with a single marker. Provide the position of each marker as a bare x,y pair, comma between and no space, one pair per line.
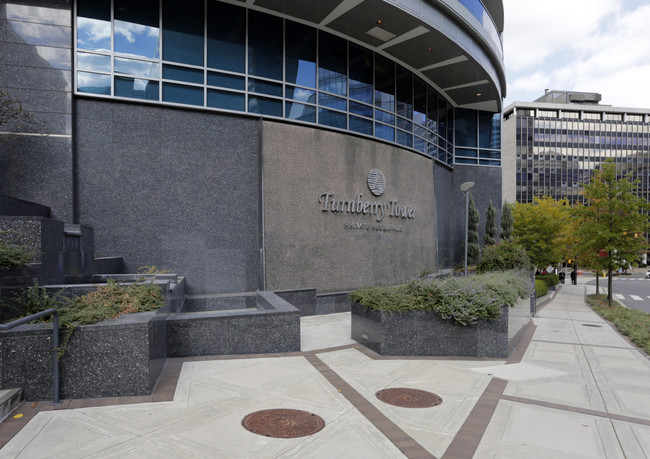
173,188
35,67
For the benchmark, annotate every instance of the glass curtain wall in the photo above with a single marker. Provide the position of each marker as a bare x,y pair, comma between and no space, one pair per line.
556,152
225,57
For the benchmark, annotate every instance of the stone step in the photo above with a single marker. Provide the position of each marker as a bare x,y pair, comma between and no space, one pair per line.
9,400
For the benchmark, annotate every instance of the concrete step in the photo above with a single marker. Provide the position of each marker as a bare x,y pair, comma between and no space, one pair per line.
9,400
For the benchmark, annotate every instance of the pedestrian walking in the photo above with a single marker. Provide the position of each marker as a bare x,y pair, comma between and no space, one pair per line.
574,278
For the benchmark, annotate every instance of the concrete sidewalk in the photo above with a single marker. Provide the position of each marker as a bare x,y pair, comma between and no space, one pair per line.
580,391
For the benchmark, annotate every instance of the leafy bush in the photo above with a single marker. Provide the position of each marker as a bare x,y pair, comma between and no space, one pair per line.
465,300
504,256
541,288
106,302
13,257
549,279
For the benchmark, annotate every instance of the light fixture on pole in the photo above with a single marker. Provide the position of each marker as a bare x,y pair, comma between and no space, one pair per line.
465,187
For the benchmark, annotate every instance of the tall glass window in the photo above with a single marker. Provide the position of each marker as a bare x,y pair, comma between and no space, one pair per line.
226,37
384,83
300,55
94,25
264,45
137,32
361,66
183,31
333,63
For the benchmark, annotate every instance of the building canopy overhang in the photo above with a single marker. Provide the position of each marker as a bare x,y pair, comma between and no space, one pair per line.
445,53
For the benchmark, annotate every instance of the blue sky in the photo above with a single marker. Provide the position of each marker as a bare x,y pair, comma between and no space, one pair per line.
580,45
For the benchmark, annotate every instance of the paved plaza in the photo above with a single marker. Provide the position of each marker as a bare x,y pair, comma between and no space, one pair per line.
577,389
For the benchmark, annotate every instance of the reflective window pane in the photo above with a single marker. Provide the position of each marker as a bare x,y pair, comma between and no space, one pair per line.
174,72
137,68
489,130
420,144
404,124
360,109
466,124
264,106
361,66
182,94
466,152
226,81
97,62
332,64
300,54
265,87
226,37
404,92
226,100
94,83
330,101
300,94
264,45
136,28
183,31
384,132
360,125
94,25
136,88
432,110
301,112
465,161
419,101
332,118
384,83
404,138
384,117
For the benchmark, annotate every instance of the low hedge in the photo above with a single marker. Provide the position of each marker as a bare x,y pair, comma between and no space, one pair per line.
465,300
541,288
549,279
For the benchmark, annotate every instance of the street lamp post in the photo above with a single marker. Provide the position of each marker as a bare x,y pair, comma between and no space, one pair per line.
465,187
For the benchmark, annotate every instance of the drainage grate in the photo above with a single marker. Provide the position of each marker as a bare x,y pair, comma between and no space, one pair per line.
409,398
592,325
283,423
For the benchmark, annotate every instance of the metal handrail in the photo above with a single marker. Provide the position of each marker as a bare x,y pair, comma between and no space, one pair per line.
55,343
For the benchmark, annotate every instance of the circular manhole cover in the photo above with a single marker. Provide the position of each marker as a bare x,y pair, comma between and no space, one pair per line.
408,398
283,423
592,325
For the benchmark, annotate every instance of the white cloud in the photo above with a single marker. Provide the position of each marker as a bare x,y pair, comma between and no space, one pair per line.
585,45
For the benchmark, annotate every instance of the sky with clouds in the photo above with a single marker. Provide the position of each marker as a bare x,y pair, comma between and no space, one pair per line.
598,46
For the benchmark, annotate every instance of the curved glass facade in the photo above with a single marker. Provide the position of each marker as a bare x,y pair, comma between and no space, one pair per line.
225,57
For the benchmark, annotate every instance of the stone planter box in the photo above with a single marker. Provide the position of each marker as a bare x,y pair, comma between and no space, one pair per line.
112,358
422,333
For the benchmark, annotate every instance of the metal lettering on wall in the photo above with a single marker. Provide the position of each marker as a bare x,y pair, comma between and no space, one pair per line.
358,205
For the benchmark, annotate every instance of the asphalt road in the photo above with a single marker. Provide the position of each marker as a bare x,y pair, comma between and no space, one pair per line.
633,290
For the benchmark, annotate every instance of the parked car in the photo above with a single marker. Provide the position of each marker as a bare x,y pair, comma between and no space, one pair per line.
647,274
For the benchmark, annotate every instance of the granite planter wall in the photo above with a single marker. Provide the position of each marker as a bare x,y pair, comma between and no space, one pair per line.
425,333
117,357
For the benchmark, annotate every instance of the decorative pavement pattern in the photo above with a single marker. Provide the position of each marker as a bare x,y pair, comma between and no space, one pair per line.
573,389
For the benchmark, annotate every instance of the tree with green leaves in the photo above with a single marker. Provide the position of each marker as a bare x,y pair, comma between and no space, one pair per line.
490,225
611,221
473,246
542,227
507,222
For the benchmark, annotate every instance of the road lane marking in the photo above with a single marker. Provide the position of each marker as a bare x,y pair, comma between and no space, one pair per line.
619,296
636,297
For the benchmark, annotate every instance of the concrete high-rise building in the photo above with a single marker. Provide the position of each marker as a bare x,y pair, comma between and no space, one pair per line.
259,144
551,146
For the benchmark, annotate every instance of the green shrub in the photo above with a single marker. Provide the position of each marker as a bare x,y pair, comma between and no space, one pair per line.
465,300
541,288
504,256
13,257
549,279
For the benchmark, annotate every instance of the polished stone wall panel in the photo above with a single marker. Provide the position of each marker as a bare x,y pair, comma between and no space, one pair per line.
306,247
173,188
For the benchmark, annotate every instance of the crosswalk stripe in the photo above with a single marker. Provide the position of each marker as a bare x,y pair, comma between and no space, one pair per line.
636,297
619,296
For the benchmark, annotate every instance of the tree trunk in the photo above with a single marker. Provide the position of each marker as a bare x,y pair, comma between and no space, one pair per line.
609,280
597,283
